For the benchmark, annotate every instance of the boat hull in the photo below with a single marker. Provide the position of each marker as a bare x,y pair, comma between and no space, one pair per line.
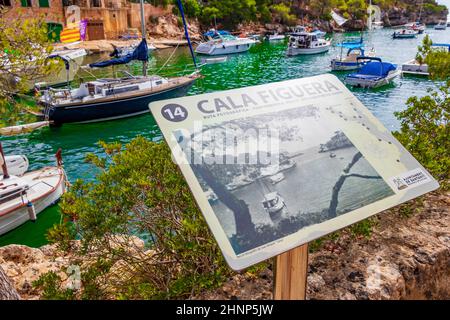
337,65
404,36
42,196
414,68
369,83
217,50
110,110
300,51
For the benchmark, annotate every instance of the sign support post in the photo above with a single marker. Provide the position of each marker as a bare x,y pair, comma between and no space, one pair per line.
291,269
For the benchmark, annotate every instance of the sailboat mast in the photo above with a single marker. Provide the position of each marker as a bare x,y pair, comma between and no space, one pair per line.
144,35
370,15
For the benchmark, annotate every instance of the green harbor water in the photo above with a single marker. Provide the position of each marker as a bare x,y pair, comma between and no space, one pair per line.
264,63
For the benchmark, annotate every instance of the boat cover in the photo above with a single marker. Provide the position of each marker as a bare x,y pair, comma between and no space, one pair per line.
140,53
374,70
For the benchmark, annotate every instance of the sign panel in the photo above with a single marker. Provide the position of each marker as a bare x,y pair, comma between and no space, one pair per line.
278,165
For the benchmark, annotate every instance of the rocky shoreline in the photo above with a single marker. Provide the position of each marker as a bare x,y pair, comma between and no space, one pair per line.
406,257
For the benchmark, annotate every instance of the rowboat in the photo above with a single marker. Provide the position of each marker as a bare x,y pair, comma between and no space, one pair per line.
22,198
405,34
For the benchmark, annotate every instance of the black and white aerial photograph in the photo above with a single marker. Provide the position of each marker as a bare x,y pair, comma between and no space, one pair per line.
314,174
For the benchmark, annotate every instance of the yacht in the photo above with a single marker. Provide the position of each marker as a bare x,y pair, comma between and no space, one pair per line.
220,42
442,25
304,43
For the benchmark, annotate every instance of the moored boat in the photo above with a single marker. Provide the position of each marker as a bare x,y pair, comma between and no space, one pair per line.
220,42
405,34
414,67
348,61
23,198
373,74
108,99
304,43
442,25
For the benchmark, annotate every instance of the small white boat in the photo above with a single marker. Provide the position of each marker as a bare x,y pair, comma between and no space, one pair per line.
377,25
214,60
304,43
223,43
373,74
276,178
273,203
413,67
442,25
405,34
319,33
417,26
23,198
275,37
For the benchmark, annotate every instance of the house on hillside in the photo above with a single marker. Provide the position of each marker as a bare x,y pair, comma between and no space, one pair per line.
106,19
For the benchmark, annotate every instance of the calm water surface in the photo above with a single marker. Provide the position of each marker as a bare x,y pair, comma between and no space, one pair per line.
263,64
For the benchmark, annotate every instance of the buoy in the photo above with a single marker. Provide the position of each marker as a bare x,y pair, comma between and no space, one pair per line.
31,211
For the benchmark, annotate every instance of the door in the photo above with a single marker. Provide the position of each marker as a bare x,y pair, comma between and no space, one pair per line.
95,30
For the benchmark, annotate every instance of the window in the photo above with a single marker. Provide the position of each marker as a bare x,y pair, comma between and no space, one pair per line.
96,3
26,3
5,3
44,3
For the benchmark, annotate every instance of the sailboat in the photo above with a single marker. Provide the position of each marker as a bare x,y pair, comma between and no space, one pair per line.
113,98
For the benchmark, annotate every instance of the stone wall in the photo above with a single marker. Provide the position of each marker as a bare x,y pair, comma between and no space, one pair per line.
54,13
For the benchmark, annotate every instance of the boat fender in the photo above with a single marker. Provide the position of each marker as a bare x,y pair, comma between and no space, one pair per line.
31,211
223,46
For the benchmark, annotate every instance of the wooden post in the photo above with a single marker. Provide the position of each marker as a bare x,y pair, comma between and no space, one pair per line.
291,269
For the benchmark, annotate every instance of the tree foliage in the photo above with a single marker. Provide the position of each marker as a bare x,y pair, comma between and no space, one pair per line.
23,58
140,191
425,130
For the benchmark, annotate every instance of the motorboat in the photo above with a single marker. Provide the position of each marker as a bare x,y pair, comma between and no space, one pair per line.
275,37
220,42
112,98
414,67
442,25
405,34
23,197
348,61
373,74
304,43
273,203
416,26
276,178
377,25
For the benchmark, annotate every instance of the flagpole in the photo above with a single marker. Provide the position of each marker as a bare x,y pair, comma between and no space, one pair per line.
144,35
